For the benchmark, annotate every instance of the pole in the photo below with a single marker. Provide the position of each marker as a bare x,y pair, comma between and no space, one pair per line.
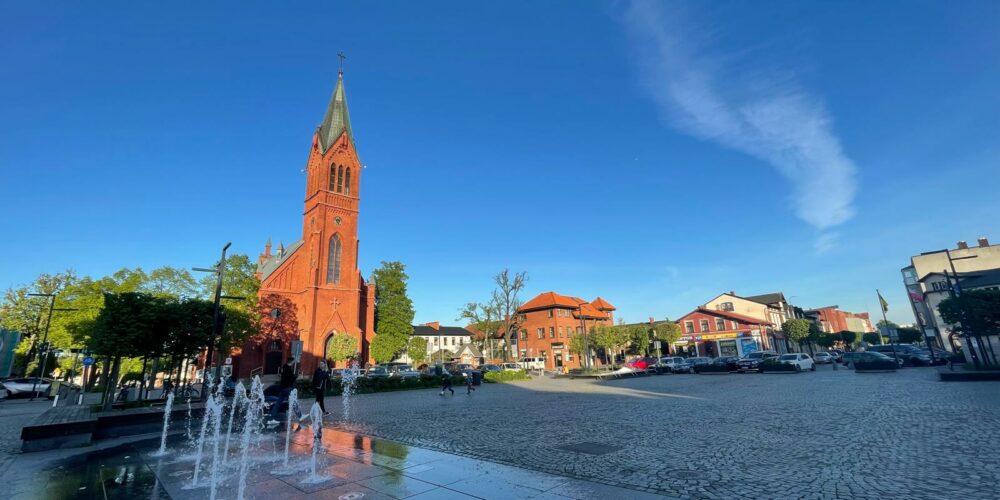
220,270
885,322
45,355
586,343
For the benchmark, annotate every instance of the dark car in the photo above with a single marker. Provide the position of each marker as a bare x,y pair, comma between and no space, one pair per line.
731,362
911,355
851,358
698,361
751,362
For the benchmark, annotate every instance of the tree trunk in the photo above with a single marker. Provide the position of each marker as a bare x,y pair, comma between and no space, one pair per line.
109,388
105,372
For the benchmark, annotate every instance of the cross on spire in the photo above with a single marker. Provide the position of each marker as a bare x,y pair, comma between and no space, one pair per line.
335,302
342,57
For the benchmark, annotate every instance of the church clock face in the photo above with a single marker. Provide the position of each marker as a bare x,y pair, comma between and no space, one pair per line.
337,220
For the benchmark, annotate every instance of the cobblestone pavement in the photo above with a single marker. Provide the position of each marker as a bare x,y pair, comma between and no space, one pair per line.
827,434
14,414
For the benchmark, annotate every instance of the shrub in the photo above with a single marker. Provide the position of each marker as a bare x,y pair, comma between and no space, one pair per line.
773,365
506,376
880,364
712,368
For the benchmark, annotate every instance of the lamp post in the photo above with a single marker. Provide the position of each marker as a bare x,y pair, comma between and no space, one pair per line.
219,270
44,347
583,331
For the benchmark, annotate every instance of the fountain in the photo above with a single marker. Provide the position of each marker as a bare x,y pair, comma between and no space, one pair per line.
212,412
188,421
166,424
348,383
254,416
239,396
293,404
316,416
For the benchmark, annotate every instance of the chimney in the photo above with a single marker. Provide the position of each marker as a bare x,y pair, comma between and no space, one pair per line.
434,324
732,293
983,242
962,245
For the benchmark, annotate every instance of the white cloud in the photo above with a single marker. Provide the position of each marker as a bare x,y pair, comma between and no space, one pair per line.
760,114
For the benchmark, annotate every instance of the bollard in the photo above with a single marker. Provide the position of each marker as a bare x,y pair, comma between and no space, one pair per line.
55,401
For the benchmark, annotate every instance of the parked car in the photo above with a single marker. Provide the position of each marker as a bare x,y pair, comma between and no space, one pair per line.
404,371
837,355
21,387
911,355
823,358
378,372
3,392
800,360
532,363
675,364
698,361
751,362
642,363
731,362
511,367
492,368
851,358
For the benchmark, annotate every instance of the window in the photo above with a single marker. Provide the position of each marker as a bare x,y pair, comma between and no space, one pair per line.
726,306
541,333
333,260
689,326
550,312
333,177
340,178
524,334
579,330
720,324
736,326
562,332
552,332
347,182
703,324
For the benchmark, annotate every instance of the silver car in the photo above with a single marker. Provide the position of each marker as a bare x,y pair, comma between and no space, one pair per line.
22,386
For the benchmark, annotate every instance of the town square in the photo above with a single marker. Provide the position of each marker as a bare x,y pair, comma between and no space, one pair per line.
594,250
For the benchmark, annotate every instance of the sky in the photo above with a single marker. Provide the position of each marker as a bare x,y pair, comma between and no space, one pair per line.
655,154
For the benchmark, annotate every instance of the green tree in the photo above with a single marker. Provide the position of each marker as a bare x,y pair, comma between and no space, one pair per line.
847,336
796,330
502,307
872,338
341,347
576,345
883,323
393,311
909,335
485,319
638,338
827,340
974,314
610,338
416,349
668,333
125,328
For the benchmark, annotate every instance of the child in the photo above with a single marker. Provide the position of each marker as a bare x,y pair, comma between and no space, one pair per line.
468,383
446,384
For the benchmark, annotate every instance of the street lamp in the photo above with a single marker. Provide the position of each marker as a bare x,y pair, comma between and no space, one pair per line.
957,292
219,270
583,331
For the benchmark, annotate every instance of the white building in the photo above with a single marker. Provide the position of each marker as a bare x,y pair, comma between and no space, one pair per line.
439,338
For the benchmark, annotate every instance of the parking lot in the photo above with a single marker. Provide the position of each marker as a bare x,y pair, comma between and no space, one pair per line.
827,434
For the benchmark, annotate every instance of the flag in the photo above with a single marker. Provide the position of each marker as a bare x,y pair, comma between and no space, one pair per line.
885,305
916,297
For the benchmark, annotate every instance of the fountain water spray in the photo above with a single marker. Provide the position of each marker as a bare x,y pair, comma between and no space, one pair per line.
239,396
316,415
166,425
188,422
293,404
348,383
209,406
253,417
216,404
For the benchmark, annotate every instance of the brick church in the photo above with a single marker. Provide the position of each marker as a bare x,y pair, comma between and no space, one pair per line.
319,273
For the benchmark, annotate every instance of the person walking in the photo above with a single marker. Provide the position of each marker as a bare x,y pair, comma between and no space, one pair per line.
446,384
320,378
468,382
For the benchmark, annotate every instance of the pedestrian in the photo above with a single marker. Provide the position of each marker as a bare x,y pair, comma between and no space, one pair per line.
168,385
288,374
320,378
446,384
468,382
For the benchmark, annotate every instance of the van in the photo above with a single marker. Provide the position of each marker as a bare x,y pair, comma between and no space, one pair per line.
532,363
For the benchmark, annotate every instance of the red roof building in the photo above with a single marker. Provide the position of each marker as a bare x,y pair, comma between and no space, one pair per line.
711,332
547,323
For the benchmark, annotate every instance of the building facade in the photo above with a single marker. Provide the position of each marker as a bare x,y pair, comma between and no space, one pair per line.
931,276
319,273
715,332
547,324
831,319
443,342
771,308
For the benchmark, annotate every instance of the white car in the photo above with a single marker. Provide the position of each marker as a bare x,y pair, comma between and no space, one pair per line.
22,386
800,360
675,364
532,363
510,367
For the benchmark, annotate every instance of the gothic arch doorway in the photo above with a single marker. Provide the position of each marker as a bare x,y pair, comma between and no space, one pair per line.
272,357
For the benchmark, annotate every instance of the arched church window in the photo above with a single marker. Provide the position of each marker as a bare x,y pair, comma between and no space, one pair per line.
333,177
340,179
347,182
333,261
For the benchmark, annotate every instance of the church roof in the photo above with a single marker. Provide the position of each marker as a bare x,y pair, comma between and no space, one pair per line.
271,264
336,121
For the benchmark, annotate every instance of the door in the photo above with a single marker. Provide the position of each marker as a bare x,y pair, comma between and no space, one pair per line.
272,362
559,361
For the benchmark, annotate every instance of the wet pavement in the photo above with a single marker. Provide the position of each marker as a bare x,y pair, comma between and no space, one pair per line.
351,466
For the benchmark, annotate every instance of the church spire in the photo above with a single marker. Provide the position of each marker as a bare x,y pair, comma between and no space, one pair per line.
336,121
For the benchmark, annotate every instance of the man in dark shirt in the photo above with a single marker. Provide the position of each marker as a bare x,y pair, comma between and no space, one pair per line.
288,374
287,383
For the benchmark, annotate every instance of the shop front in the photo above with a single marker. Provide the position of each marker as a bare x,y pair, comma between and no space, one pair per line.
722,344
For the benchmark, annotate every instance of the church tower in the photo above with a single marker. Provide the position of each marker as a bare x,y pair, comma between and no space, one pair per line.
319,273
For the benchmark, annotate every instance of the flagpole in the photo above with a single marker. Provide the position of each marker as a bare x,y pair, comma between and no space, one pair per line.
885,321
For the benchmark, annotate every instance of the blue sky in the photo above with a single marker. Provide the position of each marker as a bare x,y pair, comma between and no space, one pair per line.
655,154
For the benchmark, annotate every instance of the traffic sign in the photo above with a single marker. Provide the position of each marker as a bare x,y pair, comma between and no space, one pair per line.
297,350
88,361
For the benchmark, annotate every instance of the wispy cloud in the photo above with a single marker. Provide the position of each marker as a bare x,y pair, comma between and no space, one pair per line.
765,115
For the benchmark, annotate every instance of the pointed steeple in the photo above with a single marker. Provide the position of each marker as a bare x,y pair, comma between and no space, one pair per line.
336,121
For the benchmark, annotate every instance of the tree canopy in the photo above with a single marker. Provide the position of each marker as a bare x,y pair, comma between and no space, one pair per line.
796,330
341,347
416,349
393,311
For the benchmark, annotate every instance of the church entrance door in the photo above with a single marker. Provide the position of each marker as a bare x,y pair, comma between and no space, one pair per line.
272,358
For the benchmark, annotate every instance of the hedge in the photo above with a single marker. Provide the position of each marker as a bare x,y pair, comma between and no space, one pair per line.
364,385
770,365
506,376
879,364
711,368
